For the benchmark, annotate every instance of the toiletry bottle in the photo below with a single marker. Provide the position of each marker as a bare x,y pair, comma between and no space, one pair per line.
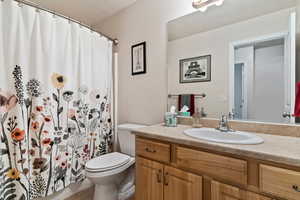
203,114
171,117
196,119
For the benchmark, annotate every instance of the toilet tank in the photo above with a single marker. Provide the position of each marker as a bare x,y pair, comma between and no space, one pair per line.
126,139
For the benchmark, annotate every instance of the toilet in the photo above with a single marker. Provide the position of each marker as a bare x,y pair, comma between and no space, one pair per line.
113,173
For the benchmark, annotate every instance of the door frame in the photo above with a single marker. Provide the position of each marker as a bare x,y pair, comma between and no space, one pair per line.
244,90
233,45
291,51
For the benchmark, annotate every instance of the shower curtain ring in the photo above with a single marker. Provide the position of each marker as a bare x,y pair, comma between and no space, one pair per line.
37,10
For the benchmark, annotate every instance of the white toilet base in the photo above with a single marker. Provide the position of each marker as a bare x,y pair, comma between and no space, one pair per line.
106,192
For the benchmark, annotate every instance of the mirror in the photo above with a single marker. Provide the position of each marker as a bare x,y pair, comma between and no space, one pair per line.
241,56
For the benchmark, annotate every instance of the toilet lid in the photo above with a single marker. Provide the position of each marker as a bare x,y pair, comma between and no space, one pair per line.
107,162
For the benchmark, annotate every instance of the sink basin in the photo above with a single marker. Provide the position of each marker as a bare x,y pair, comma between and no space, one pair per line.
214,135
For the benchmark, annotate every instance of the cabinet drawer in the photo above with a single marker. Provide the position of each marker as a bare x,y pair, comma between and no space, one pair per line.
227,168
221,191
153,150
280,182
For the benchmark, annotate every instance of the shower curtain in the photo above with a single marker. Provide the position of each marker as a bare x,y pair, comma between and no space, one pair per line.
55,101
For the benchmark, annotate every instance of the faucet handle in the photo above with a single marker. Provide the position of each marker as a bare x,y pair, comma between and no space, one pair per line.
231,114
224,118
224,124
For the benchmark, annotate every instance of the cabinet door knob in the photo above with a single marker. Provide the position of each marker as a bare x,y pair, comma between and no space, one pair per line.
166,179
296,188
150,150
159,176
286,115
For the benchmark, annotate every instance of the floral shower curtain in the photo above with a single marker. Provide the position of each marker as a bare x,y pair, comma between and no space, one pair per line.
55,101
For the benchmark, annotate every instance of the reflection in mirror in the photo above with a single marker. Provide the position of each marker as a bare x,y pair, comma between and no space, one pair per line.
261,80
252,67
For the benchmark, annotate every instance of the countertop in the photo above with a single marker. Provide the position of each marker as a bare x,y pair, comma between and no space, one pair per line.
278,149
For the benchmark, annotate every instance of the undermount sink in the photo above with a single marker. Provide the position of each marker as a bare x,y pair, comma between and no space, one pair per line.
232,137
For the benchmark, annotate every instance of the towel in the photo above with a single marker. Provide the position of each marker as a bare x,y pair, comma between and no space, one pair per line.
297,103
187,100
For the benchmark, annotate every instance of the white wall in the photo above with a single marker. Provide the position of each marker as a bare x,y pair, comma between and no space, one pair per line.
142,98
216,43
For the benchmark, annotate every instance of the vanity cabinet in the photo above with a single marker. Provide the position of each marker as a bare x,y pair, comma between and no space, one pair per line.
155,181
170,171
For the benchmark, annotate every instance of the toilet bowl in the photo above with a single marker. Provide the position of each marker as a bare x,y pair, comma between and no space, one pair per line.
112,173
107,172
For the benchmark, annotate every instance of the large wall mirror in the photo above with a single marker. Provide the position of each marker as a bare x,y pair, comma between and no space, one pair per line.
241,55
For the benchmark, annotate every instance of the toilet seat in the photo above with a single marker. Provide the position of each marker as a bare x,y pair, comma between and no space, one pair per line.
107,162
116,170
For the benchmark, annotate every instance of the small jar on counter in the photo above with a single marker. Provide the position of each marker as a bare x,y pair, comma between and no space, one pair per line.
171,119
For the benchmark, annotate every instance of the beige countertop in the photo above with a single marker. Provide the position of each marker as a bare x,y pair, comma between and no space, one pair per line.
279,149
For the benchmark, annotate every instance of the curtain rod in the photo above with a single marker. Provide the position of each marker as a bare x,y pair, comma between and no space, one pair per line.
196,95
34,5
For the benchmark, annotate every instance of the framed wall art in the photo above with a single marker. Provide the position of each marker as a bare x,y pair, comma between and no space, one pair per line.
138,58
197,69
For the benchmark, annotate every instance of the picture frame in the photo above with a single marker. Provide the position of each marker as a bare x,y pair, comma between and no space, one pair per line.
138,59
196,69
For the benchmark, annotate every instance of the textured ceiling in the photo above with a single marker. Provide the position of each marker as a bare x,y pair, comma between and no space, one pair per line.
90,12
232,11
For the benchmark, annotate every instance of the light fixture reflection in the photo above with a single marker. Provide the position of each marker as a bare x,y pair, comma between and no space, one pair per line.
203,5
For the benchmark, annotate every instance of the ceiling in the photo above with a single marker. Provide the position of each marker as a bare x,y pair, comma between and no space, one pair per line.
90,12
232,11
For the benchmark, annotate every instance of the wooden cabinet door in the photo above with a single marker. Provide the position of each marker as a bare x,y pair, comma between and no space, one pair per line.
221,191
149,180
180,185
279,182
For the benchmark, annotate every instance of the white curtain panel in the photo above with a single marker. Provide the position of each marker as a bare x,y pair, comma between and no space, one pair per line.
55,101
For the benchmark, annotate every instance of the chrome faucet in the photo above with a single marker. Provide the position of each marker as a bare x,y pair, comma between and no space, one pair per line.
224,124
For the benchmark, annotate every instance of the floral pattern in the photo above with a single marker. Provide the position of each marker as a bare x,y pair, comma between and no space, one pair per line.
46,139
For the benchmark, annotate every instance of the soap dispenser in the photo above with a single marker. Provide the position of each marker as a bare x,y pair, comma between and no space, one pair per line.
171,117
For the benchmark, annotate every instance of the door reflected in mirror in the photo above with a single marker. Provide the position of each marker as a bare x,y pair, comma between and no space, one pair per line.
261,79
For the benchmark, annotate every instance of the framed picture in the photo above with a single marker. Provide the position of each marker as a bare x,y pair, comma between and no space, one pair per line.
197,69
138,58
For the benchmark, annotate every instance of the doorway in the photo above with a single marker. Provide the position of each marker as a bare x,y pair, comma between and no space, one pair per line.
260,80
